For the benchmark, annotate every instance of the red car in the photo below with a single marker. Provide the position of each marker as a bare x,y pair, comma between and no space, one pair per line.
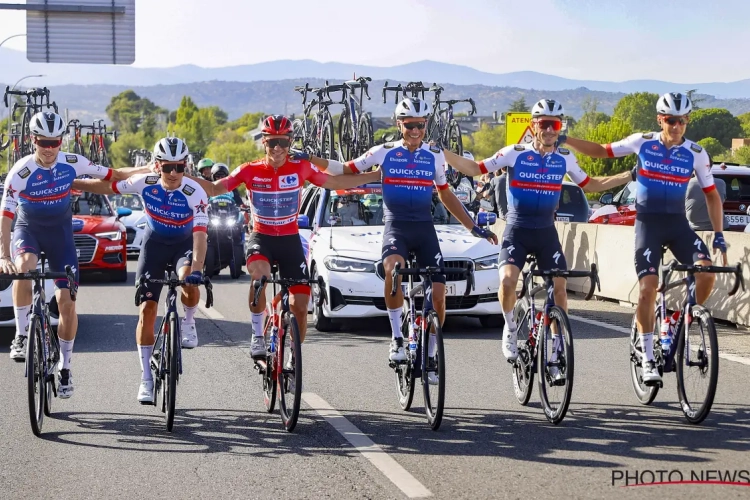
620,208
100,237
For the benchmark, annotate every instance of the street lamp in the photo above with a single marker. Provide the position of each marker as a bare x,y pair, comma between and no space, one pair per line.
12,36
24,78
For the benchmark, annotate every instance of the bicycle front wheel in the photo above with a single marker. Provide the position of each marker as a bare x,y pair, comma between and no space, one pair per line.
269,375
173,368
433,374
52,362
326,139
289,370
555,364
404,371
523,368
697,364
37,385
365,137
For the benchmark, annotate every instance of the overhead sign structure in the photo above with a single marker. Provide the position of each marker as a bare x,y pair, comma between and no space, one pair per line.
518,128
79,31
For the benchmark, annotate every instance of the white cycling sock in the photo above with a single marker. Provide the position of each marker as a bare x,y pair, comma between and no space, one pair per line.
22,320
647,345
510,320
258,323
394,316
433,345
66,353
145,352
189,313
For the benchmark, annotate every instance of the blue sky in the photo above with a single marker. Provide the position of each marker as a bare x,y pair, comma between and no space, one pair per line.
680,41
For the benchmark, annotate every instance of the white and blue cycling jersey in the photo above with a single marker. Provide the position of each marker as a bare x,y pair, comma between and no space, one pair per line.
663,174
407,178
41,196
534,182
171,216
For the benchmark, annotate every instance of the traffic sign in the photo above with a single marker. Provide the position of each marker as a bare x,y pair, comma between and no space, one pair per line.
518,128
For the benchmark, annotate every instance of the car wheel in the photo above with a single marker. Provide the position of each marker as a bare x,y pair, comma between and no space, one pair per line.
119,276
492,321
319,320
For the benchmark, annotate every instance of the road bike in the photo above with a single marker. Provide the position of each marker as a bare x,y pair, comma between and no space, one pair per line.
552,359
97,143
36,100
42,344
282,367
424,334
140,157
355,129
166,359
694,352
313,133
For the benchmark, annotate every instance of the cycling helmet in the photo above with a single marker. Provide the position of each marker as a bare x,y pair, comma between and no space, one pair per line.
276,125
467,154
170,149
205,163
547,107
412,107
219,168
674,104
47,124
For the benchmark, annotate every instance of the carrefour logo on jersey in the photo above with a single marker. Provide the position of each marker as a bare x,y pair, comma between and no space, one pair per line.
289,181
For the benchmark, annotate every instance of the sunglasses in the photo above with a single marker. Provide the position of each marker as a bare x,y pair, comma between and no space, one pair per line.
48,143
674,120
168,168
545,124
413,125
282,143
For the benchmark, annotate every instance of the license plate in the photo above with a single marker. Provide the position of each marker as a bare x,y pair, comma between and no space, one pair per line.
78,253
450,289
738,220
563,219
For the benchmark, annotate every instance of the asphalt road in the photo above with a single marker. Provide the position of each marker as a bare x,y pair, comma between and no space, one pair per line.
102,444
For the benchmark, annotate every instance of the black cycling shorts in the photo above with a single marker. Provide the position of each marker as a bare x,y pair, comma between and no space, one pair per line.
285,251
154,258
654,231
518,242
401,237
56,242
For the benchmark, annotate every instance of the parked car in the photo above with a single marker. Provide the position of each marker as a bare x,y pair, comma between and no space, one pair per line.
347,257
135,223
620,209
99,235
573,206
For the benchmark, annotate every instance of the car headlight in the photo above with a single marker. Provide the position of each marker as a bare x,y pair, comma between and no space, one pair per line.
110,235
230,222
485,263
141,225
345,264
215,221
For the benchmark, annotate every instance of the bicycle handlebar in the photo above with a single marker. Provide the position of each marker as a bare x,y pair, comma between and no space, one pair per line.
468,272
593,273
666,270
174,283
37,275
286,283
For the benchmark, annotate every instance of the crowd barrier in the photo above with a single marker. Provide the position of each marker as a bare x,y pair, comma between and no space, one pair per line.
611,249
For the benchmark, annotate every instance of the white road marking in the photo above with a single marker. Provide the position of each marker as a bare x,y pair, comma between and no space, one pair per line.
210,313
399,476
730,357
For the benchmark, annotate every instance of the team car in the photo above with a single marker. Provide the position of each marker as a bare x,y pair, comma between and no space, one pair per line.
345,236
99,235
135,223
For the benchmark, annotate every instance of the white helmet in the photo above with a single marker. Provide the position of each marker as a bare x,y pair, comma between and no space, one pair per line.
547,107
47,124
675,104
467,154
412,107
170,149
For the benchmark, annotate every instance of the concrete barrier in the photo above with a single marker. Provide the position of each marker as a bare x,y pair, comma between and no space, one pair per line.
611,248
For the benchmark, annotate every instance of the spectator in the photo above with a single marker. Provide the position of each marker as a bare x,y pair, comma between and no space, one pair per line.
499,187
695,204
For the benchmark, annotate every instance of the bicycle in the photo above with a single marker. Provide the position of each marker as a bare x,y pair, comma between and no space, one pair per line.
42,344
421,329
78,146
36,100
166,360
282,376
355,126
97,147
140,157
701,352
315,135
534,353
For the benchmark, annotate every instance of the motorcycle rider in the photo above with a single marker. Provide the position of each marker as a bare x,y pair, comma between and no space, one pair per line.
204,168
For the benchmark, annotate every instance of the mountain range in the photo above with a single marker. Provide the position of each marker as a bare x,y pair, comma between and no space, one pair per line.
15,65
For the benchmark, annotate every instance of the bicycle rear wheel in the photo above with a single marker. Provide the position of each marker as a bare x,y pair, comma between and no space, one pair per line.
434,394
104,159
645,393
298,134
365,136
289,370
173,367
404,371
269,375
455,143
37,385
346,140
697,364
523,368
326,139
555,390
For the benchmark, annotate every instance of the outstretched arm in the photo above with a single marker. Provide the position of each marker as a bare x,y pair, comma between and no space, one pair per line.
121,174
331,167
587,148
455,207
463,165
350,181
97,186
598,184
211,188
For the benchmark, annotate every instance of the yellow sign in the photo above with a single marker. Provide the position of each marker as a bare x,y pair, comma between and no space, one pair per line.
518,128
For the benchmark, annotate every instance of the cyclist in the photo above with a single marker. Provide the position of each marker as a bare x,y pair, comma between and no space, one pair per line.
535,176
175,207
204,168
410,168
37,190
666,160
274,184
